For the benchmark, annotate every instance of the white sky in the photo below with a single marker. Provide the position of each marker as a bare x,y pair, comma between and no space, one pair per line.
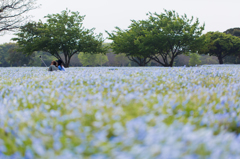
218,15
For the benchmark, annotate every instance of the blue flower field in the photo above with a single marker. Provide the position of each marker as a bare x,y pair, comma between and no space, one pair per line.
120,113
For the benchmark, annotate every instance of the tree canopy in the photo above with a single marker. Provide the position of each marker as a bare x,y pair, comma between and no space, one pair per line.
233,31
162,37
121,59
4,53
194,59
12,11
88,59
126,41
10,56
62,33
172,35
220,45
18,58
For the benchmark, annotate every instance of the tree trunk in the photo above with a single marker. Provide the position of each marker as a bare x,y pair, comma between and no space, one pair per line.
163,62
140,61
167,65
67,61
101,59
220,59
171,62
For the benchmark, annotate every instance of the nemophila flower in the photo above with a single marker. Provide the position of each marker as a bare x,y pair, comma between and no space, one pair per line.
38,146
55,113
73,125
98,156
57,145
29,154
2,146
125,113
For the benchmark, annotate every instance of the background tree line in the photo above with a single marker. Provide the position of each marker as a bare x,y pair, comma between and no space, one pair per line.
165,39
162,38
16,59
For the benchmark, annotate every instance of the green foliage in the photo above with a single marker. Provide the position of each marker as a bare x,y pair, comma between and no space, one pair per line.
88,59
121,60
234,58
101,59
233,31
194,59
4,53
19,58
46,57
182,60
62,33
172,35
11,56
126,41
220,45
161,37
206,59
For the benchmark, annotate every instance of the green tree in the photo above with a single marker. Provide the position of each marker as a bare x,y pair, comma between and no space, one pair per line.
220,45
18,58
171,35
206,59
234,58
126,41
10,56
46,57
162,37
4,48
181,60
121,59
88,59
62,33
194,59
101,59
233,31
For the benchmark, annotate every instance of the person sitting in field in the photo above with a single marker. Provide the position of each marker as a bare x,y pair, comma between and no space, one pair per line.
53,66
60,65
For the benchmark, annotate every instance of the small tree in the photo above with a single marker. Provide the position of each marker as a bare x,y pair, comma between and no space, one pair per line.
12,11
88,59
121,59
194,59
101,59
46,57
62,33
220,45
206,59
4,48
18,58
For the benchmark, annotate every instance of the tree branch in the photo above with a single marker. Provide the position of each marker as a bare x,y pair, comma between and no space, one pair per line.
11,13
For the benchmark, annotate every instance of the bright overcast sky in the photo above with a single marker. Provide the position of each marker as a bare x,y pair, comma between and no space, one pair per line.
218,15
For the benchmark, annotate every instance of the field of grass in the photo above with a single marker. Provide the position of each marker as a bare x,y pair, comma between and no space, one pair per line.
120,113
